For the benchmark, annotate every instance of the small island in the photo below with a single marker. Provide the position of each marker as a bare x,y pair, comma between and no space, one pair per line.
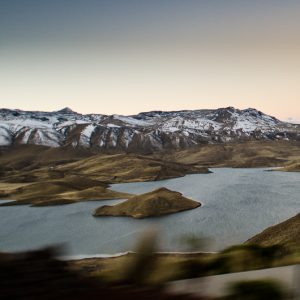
156,203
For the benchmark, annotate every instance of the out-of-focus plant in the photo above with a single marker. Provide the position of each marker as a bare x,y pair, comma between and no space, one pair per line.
256,290
143,262
193,242
193,267
246,257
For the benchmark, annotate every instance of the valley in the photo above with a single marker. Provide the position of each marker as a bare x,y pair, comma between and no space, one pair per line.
38,174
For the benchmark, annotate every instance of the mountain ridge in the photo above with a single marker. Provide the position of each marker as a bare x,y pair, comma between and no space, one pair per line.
145,131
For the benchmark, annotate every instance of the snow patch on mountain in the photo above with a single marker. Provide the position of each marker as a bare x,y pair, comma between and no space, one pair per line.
131,121
5,136
86,134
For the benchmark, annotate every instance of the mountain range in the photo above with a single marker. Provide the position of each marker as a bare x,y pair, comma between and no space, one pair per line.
144,132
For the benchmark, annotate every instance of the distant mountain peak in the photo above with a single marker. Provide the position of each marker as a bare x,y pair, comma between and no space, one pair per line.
66,111
230,108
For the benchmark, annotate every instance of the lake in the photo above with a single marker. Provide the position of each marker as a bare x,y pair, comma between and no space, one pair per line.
237,204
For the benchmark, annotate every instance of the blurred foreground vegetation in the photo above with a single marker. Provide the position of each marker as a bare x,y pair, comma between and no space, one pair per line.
256,290
142,274
147,266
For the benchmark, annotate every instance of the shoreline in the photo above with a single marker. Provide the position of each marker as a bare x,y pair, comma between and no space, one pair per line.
120,254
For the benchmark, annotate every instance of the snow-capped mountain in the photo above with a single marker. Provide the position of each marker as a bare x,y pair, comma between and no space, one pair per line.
146,131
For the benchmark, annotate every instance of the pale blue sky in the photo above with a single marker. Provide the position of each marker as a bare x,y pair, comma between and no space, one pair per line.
127,56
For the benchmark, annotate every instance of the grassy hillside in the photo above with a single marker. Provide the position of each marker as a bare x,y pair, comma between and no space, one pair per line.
49,176
61,191
286,233
129,168
33,156
248,154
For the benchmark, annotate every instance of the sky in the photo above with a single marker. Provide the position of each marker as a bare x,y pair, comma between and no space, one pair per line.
128,56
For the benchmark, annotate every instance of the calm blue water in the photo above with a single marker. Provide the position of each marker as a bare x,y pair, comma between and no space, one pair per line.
237,204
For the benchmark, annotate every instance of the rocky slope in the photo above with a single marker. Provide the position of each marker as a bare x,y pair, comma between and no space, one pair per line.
159,202
144,132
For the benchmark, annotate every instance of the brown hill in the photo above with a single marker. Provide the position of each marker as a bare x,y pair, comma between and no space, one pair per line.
61,191
286,233
20,157
39,175
128,168
245,155
159,202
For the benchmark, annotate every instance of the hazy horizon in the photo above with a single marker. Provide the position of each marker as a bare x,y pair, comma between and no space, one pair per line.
135,113
124,57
